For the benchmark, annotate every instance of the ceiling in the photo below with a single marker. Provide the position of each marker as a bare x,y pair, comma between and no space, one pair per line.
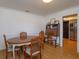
38,7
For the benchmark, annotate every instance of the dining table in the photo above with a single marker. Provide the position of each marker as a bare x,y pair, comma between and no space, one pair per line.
17,42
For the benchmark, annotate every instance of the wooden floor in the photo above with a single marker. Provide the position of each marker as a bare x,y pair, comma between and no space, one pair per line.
50,52
67,52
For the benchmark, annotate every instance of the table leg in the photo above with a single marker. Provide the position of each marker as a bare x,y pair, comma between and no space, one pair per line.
13,51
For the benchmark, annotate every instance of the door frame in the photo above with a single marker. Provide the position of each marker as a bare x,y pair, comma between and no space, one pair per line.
69,34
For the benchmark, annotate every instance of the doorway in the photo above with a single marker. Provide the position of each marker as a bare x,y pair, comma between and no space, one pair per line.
66,29
70,32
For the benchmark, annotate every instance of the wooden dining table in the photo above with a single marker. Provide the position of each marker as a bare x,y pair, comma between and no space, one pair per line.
16,42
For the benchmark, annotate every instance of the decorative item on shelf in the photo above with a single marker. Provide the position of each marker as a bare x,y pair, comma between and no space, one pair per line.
54,21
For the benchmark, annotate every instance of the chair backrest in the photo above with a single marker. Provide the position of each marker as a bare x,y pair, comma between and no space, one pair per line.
35,40
41,35
23,35
5,41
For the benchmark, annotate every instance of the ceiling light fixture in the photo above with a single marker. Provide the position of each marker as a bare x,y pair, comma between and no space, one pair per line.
47,1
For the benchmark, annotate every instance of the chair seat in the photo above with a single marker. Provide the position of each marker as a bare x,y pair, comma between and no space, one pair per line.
33,53
10,49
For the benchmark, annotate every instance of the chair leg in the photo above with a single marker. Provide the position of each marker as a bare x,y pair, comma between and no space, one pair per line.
6,55
19,54
16,53
31,53
31,57
40,55
24,53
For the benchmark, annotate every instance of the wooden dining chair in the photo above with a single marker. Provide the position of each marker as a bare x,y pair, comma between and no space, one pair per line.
8,48
33,49
42,38
23,35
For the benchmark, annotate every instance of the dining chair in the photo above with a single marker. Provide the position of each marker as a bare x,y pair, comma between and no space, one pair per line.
8,48
34,48
23,35
42,38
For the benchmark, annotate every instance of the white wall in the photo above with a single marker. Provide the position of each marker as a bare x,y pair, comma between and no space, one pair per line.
12,22
59,16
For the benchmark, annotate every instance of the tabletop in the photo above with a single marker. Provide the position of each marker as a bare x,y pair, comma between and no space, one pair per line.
17,40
